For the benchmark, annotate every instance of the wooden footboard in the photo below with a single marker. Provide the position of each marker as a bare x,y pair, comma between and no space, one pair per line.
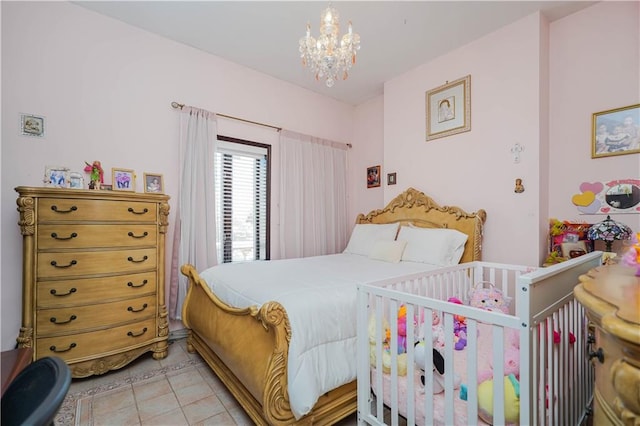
248,351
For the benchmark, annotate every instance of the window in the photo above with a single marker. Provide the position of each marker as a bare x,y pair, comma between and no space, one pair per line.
242,200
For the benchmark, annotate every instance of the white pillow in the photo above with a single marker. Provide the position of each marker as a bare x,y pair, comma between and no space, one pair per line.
389,251
365,235
441,247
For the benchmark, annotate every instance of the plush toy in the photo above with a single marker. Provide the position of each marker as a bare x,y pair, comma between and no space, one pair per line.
402,329
386,352
438,368
511,400
459,327
489,299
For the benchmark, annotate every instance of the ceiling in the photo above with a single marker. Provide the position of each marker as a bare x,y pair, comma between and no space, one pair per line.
396,36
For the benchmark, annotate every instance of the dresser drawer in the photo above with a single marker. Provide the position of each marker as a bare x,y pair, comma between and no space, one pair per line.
62,236
87,344
61,209
64,293
70,264
69,320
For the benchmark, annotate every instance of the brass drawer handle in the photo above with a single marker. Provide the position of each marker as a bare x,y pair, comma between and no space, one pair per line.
71,291
71,318
144,330
55,264
55,236
130,284
53,348
130,308
55,209
131,210
144,234
131,259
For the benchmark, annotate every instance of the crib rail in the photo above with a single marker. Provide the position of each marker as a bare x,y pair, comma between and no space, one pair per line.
556,379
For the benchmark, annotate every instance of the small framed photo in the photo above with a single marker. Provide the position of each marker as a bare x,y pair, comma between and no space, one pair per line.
56,177
32,125
373,176
76,180
391,178
153,183
123,179
448,109
105,187
616,132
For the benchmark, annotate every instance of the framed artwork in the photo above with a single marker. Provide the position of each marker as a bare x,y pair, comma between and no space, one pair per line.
31,125
76,180
56,176
373,176
123,179
616,132
391,178
153,183
448,109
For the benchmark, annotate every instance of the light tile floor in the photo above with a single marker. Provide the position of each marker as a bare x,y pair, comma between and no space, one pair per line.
190,396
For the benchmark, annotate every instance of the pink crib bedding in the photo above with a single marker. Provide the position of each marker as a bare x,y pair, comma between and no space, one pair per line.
484,355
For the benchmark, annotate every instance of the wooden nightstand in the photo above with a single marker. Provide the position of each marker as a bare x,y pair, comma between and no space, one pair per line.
611,297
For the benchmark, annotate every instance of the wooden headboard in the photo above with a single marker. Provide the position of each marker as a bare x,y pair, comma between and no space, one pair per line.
414,207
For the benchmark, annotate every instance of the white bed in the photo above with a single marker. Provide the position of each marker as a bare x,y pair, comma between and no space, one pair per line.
555,374
282,336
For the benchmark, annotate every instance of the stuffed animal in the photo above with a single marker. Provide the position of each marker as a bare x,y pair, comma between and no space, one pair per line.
459,327
386,352
438,368
511,400
489,299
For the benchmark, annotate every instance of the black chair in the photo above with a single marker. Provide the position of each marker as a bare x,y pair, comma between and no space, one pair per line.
34,397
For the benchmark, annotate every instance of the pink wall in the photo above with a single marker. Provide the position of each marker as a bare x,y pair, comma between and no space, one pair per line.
105,89
591,71
476,169
532,83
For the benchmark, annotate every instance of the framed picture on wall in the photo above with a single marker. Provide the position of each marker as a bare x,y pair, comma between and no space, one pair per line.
31,125
448,109
616,132
123,179
373,176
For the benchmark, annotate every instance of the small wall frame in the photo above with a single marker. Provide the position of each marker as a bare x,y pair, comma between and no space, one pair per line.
123,179
373,176
616,132
153,183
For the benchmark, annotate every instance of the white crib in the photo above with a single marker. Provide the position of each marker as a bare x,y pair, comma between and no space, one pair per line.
556,378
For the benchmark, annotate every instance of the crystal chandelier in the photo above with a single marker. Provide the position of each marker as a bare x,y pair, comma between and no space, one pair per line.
328,56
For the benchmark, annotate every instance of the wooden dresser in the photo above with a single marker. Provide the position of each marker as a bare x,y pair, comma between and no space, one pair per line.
93,276
611,297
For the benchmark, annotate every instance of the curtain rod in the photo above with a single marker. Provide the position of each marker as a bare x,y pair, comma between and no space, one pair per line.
180,106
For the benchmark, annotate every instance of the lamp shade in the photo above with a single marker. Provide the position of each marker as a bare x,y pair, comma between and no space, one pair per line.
609,230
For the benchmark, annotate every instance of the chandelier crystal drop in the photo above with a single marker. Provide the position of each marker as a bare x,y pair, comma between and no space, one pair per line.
329,57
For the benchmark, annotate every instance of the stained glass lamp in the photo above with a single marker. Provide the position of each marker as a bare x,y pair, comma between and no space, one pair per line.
609,230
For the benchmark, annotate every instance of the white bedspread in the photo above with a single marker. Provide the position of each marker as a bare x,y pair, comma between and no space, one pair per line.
319,295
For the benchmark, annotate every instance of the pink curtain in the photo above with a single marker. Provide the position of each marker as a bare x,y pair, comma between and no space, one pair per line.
313,196
195,230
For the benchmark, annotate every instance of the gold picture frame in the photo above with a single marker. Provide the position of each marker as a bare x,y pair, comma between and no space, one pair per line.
153,183
373,177
616,132
448,109
123,179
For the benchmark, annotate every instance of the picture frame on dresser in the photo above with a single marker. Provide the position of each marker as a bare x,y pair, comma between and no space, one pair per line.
153,183
123,179
56,176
